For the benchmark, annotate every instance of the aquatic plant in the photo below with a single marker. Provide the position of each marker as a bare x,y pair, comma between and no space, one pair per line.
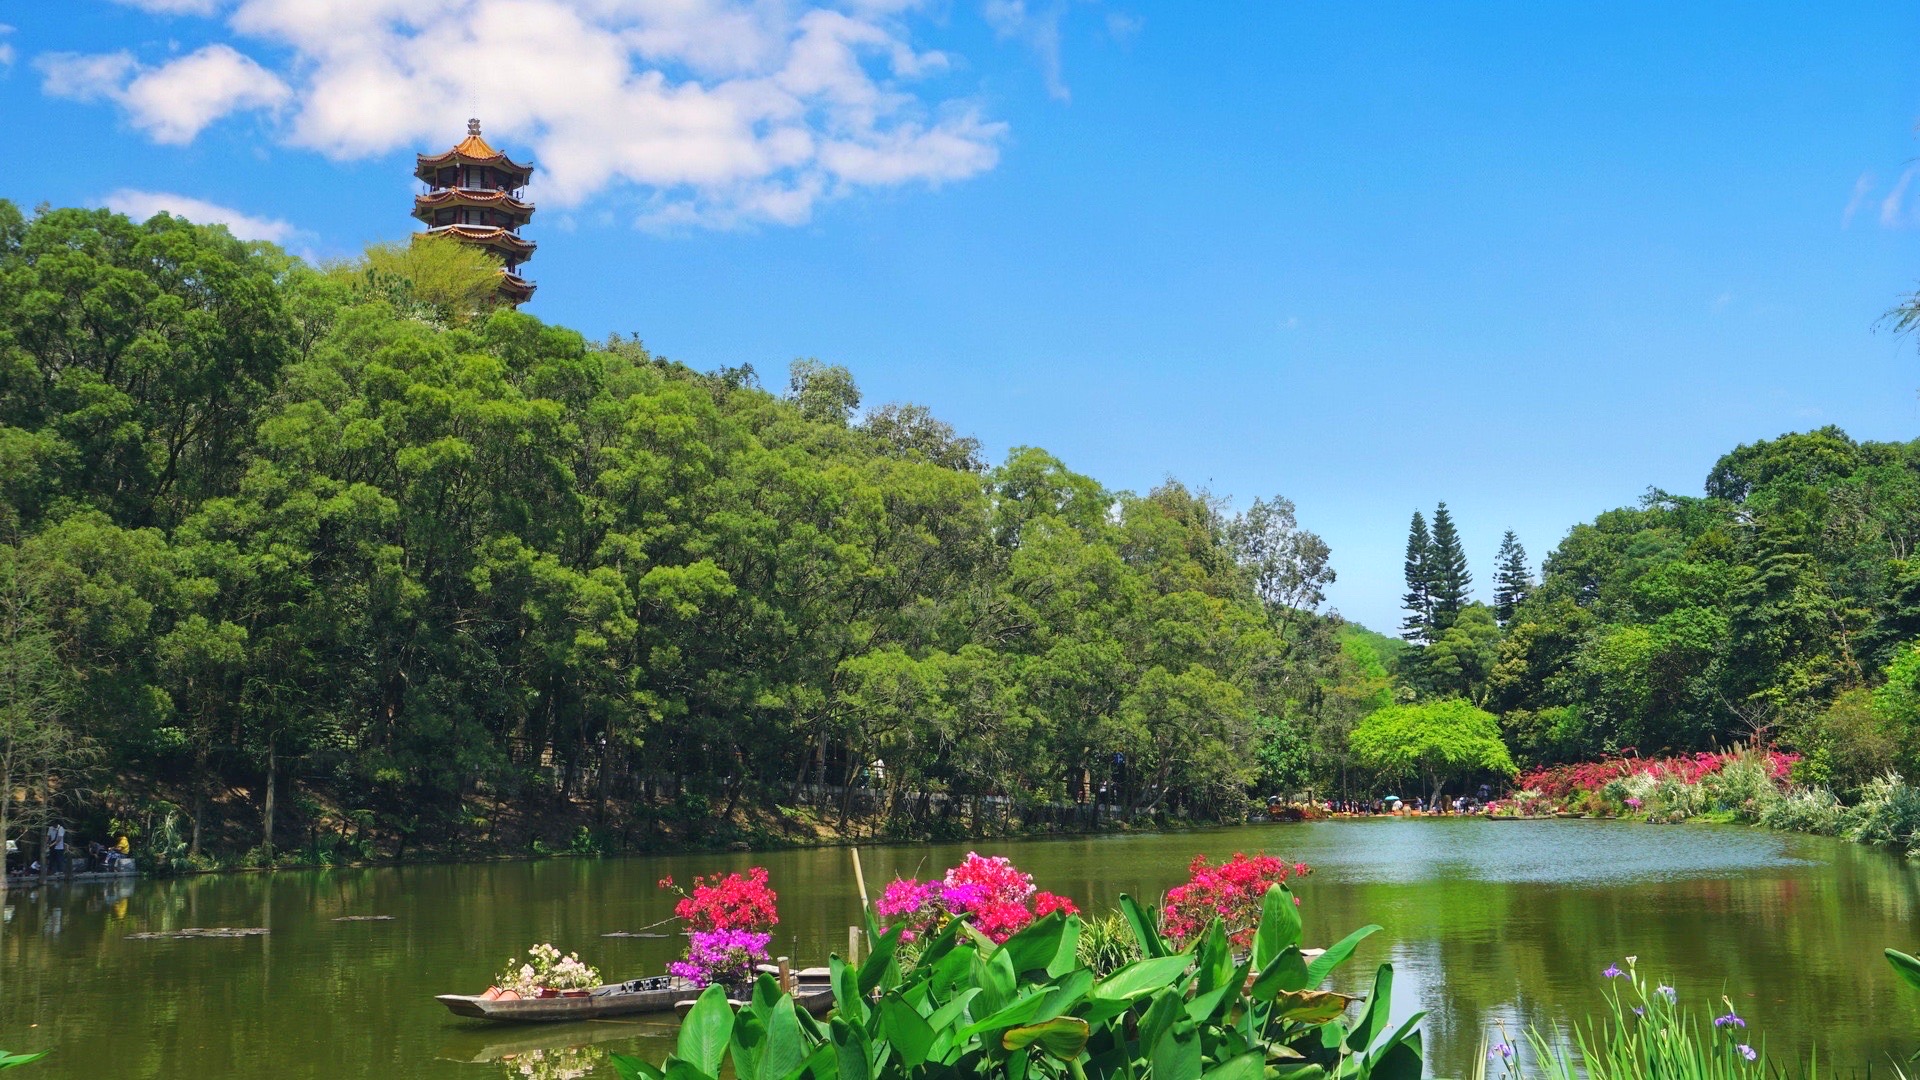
1231,892
1027,1008
1644,1033
546,969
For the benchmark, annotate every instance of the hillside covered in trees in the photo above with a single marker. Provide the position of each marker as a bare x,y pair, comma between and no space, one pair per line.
1780,606
303,557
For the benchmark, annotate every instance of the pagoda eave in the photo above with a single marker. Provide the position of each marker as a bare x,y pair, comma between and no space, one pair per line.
487,237
516,289
475,197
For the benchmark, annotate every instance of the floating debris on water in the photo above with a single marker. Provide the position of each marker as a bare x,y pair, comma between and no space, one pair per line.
201,932
363,918
633,933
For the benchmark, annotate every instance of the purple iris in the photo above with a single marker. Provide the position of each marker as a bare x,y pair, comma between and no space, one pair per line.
1667,992
1747,1051
1729,1020
1613,971
1501,1051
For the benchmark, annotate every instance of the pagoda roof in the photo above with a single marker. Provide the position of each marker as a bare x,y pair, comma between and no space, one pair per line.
487,236
473,149
471,197
516,288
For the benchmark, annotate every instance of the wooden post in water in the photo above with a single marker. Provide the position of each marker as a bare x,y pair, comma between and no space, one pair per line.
853,944
860,879
786,974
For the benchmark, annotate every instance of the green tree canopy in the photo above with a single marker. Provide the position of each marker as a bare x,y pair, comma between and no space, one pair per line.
1435,741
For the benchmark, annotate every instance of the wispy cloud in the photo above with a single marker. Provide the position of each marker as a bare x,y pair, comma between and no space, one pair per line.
1862,192
1893,208
141,205
1037,27
721,112
6,47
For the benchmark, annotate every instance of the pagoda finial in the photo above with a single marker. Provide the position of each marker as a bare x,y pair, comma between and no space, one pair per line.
473,127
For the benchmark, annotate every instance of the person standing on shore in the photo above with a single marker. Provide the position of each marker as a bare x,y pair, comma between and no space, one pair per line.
56,848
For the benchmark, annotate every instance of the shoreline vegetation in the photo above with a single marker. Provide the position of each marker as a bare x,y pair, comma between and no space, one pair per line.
344,564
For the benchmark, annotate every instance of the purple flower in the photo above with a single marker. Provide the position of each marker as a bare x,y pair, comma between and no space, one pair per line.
1667,992
1501,1051
1633,804
1638,1011
1729,1020
1613,972
718,955
1746,1051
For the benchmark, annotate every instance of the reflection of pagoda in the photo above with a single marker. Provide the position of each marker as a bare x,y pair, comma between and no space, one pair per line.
473,196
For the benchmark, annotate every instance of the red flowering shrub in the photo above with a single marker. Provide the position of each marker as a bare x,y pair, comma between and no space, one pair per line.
730,902
1232,892
1562,781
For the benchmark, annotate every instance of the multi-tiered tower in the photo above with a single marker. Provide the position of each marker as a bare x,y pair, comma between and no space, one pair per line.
473,195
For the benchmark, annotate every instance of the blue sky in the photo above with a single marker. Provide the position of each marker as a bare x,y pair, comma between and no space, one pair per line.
1527,259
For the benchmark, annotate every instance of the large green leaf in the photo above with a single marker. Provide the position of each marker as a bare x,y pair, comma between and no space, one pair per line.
1279,926
848,1001
1022,1010
908,1031
1063,1036
633,1068
1905,966
1067,957
850,1049
1145,930
1175,1055
1035,946
785,1050
874,967
1310,1006
1248,1066
1374,1020
1323,965
1142,977
1287,972
705,1032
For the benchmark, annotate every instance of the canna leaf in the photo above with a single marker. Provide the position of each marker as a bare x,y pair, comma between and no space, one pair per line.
1063,1037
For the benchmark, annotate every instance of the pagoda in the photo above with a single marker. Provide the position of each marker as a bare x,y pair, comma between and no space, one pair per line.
474,195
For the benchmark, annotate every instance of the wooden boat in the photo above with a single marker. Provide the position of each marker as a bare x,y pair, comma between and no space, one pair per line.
662,993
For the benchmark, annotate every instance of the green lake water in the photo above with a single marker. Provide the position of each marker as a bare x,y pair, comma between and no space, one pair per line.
1483,921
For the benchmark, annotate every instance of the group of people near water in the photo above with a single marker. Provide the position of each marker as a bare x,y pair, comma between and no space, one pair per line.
101,858
1394,804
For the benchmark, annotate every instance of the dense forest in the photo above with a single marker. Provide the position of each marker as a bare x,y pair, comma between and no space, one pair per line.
1780,607
344,560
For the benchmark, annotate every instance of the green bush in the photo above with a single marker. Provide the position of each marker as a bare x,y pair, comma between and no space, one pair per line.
1029,1010
1888,813
1809,810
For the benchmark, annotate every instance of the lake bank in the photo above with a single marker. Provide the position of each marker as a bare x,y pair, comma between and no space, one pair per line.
1483,922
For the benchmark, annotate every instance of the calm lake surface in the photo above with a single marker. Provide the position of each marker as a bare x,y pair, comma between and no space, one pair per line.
1483,922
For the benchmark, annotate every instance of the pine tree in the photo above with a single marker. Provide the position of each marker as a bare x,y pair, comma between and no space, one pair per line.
1448,581
1419,598
1513,580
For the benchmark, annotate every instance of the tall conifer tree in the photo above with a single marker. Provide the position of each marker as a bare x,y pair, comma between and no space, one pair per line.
1448,581
1419,599
1512,578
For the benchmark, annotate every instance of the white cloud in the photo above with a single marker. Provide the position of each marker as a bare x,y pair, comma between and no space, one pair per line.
1862,188
720,111
173,102
6,48
141,205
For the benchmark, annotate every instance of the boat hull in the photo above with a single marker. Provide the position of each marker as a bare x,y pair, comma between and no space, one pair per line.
663,995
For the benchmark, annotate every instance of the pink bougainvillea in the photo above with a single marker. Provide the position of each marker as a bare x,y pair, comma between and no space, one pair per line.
728,902
996,896
1232,892
1560,781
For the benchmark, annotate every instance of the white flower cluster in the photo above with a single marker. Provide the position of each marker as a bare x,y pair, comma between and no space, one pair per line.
546,968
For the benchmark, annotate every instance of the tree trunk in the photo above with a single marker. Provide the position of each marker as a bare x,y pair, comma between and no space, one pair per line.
266,811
